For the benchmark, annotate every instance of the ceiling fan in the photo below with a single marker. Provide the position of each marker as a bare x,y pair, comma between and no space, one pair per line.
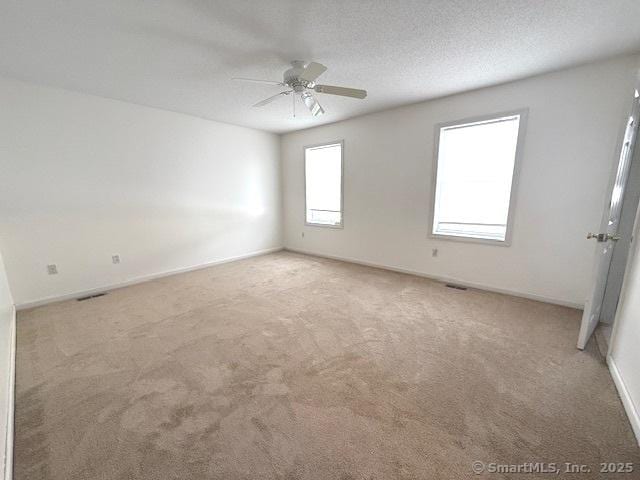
301,80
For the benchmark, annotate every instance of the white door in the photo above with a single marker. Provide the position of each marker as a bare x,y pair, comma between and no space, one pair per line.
609,230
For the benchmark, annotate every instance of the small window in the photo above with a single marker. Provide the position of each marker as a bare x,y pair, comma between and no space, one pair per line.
475,169
323,184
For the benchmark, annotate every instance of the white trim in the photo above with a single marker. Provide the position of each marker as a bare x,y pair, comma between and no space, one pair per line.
625,396
523,114
304,180
630,408
144,278
444,279
622,298
8,453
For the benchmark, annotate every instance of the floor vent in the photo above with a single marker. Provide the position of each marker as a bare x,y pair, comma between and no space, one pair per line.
82,299
457,287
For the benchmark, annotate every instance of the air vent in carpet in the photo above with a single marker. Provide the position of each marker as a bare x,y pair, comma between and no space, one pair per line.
457,287
89,297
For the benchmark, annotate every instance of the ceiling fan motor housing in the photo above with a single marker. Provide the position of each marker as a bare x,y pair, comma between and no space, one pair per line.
292,77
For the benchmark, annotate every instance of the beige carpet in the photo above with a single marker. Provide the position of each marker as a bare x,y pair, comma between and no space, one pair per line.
294,367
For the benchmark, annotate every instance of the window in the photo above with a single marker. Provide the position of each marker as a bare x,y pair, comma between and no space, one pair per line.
475,167
323,184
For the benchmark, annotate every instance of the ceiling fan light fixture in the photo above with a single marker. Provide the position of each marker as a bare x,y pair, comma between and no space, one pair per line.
312,104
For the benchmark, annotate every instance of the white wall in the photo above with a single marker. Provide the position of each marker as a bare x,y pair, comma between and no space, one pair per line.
85,177
7,335
575,120
624,353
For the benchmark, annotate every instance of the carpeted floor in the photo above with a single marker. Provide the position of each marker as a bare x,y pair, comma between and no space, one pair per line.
293,367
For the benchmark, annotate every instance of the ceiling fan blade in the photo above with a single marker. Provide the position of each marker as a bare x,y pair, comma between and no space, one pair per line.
266,101
312,104
342,91
254,80
312,71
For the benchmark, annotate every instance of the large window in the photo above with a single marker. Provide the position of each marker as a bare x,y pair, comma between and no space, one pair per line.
323,184
475,169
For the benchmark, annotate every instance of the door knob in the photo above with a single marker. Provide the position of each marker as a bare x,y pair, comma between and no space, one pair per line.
603,237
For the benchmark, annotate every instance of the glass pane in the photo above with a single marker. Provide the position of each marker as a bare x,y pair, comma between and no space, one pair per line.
323,168
475,172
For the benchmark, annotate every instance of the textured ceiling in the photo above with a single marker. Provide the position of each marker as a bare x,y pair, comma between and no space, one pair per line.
180,55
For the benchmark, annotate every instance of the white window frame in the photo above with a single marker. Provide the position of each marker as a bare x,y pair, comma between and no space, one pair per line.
523,113
304,179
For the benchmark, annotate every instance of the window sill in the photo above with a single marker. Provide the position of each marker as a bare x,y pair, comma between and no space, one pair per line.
324,225
484,241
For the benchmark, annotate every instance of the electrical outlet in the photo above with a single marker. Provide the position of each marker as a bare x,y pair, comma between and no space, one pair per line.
115,259
434,252
52,269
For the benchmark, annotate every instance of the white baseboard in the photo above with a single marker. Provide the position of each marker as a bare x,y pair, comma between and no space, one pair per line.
144,278
8,452
438,278
625,396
